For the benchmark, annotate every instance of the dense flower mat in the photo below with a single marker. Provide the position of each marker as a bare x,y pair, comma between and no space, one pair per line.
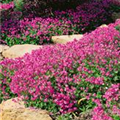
20,28
75,77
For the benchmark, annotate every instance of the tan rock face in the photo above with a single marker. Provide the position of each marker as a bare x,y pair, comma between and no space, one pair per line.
104,25
14,109
12,104
3,48
19,50
25,114
65,38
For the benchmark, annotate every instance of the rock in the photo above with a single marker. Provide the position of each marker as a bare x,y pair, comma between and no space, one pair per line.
3,48
115,15
66,38
12,104
25,114
15,110
19,50
104,25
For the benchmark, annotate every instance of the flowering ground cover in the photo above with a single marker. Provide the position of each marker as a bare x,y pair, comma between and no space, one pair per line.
69,79
20,28
6,6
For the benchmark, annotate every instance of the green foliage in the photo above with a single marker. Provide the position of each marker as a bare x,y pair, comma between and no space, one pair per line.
115,8
22,40
118,28
64,117
18,4
51,107
6,1
116,117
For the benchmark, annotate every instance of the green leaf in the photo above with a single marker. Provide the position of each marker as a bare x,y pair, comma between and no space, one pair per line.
117,28
116,117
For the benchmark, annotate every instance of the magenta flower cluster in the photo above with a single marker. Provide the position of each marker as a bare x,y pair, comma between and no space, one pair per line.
6,6
38,30
99,114
64,74
87,14
113,93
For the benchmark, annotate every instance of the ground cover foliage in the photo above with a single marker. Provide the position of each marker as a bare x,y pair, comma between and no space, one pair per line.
81,77
35,24
69,79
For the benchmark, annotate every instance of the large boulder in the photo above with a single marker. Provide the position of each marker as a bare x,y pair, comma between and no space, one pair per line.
19,50
63,39
14,109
